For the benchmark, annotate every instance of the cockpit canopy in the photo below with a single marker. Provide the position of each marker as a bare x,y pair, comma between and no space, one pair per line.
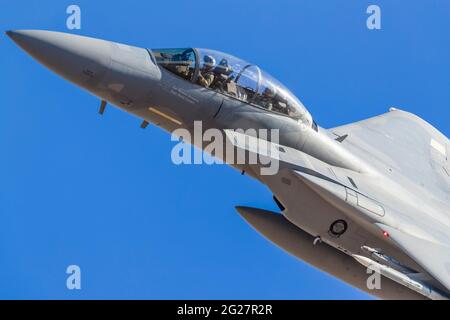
232,77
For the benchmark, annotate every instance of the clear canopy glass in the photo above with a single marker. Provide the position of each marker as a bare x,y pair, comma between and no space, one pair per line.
233,77
179,61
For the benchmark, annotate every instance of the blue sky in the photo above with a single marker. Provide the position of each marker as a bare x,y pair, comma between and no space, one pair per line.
101,193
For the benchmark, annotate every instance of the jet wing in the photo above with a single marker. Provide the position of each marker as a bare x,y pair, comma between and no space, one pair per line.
414,150
433,257
403,142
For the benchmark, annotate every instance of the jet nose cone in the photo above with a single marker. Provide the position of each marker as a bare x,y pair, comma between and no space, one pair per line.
22,37
76,58
9,33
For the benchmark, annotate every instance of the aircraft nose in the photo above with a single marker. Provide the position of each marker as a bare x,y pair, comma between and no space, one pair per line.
79,59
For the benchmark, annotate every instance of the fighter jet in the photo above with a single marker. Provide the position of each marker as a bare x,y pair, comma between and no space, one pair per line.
367,196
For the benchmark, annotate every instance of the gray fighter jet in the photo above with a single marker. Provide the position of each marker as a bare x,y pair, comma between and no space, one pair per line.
375,193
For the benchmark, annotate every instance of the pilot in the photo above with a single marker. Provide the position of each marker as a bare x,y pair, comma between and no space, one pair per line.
206,75
222,74
224,68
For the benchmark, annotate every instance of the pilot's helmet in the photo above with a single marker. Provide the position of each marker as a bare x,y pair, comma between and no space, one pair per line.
209,61
224,66
223,63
